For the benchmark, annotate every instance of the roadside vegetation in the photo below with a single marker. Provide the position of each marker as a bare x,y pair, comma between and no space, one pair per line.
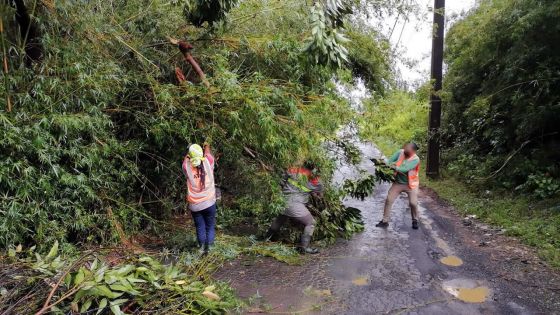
98,106
396,118
99,102
534,222
97,128
500,148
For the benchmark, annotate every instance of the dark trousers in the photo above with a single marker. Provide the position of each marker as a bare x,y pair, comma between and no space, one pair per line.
205,223
308,223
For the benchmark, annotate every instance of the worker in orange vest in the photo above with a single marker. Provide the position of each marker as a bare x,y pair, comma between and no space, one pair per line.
299,183
198,167
406,164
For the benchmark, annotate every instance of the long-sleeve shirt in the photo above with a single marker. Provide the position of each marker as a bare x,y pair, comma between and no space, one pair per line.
404,168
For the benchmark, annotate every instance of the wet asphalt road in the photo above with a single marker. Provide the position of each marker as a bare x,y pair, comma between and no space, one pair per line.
382,271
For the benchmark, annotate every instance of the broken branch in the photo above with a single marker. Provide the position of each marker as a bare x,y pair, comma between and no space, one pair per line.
254,156
180,76
185,49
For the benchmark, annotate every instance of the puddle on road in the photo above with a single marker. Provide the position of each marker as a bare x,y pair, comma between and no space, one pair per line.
467,290
476,295
452,261
360,281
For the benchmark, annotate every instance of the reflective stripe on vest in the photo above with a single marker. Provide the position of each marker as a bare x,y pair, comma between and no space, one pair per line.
413,179
197,194
302,179
298,185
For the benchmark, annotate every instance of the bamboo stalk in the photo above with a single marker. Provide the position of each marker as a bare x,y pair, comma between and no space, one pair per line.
135,51
5,67
30,37
24,43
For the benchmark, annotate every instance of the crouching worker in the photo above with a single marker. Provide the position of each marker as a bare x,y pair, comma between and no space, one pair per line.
198,167
298,184
406,164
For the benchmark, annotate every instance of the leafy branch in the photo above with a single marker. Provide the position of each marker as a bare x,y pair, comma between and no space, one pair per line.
326,43
364,187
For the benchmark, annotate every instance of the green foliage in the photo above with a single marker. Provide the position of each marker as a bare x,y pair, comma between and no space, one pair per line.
360,188
233,246
352,154
334,220
326,44
99,128
200,11
363,187
395,119
541,185
369,58
89,284
383,172
56,146
502,89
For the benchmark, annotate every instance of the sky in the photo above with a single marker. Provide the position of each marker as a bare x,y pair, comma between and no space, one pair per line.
415,43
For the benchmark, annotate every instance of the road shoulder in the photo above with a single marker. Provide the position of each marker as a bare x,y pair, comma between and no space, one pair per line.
516,270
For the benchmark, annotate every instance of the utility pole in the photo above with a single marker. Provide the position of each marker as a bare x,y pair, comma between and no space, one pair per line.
432,165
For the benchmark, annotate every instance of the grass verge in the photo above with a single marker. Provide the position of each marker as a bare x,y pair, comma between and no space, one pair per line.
535,223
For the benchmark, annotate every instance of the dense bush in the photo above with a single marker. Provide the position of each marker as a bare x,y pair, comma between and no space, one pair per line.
99,126
502,91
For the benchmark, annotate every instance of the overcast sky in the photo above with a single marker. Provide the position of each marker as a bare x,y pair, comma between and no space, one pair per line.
415,43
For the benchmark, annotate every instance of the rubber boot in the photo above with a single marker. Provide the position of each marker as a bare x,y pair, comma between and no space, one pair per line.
304,246
271,236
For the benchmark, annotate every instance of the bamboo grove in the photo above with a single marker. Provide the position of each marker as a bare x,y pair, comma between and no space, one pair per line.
96,127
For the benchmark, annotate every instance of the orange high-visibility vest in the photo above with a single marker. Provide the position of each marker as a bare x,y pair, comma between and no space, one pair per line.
196,192
311,182
413,180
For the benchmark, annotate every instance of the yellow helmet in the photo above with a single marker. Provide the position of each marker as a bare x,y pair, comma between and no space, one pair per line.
196,154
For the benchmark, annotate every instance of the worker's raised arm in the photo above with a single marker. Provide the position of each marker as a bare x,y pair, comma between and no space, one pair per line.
208,154
207,150
394,158
407,165
185,164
